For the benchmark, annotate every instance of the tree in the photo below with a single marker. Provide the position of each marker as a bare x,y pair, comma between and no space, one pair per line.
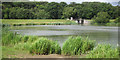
69,12
42,14
101,18
55,10
63,4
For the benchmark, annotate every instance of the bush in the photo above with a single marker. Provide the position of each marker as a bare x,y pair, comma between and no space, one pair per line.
111,24
44,46
101,18
77,45
103,51
117,20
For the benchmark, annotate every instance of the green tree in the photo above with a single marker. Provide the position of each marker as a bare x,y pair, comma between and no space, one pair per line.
101,18
63,4
69,12
54,9
42,14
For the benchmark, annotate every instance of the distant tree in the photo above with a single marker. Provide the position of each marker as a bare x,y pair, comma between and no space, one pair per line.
102,18
55,10
42,14
63,4
86,10
72,4
5,13
69,12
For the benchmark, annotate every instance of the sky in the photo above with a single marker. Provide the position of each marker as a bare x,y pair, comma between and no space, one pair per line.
78,1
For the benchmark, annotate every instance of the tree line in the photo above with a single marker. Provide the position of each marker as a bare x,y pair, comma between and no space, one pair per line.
54,10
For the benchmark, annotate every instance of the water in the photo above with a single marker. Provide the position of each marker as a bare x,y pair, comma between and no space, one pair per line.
102,34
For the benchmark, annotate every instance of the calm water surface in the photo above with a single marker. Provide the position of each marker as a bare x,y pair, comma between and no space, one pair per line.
102,34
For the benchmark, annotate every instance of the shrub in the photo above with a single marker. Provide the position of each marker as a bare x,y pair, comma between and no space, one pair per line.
44,46
77,45
101,18
111,24
117,20
103,51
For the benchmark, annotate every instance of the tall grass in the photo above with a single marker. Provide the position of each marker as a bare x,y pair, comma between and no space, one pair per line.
10,38
77,46
104,51
43,46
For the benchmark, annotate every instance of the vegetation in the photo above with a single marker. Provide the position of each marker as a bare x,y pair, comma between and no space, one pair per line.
10,38
43,46
20,22
30,43
14,44
117,20
101,18
77,46
103,51
54,10
11,52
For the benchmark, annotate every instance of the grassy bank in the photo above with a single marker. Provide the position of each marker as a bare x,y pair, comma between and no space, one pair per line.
19,22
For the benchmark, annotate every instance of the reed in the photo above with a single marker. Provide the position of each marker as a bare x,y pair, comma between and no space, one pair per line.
77,46
44,46
104,51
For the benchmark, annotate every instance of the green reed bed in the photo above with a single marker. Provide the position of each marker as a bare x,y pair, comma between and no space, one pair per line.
77,46
9,38
44,46
104,51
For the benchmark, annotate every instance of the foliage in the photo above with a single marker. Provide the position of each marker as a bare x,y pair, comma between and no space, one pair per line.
101,18
112,24
104,51
45,46
77,46
54,10
23,46
42,14
10,38
68,12
117,20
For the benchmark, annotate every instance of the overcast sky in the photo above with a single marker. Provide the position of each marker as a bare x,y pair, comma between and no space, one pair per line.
78,1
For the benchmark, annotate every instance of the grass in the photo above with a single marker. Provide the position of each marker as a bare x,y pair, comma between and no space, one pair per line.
11,52
43,46
104,51
10,38
77,46
20,22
